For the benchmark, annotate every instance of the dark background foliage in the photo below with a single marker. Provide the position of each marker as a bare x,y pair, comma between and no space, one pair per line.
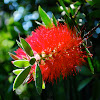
18,16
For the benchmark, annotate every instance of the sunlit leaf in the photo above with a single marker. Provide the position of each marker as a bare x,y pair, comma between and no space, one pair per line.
27,47
33,75
17,71
43,85
71,11
19,44
64,7
54,20
13,56
45,18
21,63
77,3
38,23
68,1
26,80
21,77
38,79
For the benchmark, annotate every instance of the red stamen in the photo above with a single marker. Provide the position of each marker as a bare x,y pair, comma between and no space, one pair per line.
30,80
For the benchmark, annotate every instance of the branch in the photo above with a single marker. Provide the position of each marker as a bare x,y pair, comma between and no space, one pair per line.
93,29
76,11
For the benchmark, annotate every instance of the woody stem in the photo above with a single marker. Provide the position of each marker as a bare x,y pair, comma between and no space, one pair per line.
93,29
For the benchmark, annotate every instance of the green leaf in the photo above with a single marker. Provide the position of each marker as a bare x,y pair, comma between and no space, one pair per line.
38,79
77,4
19,44
54,20
38,23
45,18
71,11
69,20
21,63
96,64
89,60
84,71
27,47
13,56
90,2
33,75
21,77
68,1
96,1
19,27
43,85
84,83
90,64
17,71
26,80
64,7
32,61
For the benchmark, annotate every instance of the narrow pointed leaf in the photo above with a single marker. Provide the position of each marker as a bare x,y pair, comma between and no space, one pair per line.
89,60
45,18
70,22
38,79
21,63
90,64
17,71
71,11
84,71
64,7
38,23
21,77
32,61
84,83
26,80
43,85
27,47
13,56
33,75
19,44
54,20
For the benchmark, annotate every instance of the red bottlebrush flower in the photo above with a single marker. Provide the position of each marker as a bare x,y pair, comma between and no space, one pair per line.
59,49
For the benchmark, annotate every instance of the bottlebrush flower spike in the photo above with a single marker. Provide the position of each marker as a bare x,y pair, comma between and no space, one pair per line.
59,51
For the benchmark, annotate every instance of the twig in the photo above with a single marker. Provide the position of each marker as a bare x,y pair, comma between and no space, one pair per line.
76,11
93,29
